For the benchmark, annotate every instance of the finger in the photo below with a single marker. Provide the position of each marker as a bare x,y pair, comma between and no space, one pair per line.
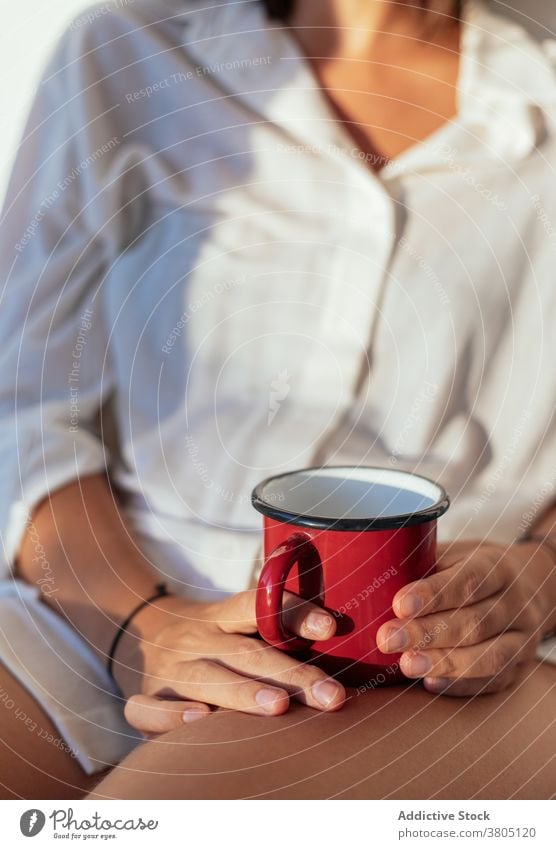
453,552
464,627
486,660
153,715
214,683
454,587
254,658
307,619
465,687
236,615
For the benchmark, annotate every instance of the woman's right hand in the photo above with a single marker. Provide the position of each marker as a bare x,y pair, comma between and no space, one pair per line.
188,656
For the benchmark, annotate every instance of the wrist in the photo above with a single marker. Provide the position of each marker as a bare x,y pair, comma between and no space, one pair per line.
151,619
540,564
130,652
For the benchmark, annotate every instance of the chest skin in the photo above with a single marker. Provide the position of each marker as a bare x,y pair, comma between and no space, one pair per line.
390,98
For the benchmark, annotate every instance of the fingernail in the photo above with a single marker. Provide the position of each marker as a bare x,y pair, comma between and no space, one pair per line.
269,698
318,623
396,640
437,685
192,714
416,665
326,692
410,605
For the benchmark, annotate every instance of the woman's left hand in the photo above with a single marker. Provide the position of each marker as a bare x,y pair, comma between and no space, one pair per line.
469,627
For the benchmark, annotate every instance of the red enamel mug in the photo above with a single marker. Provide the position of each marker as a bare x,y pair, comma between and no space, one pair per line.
346,538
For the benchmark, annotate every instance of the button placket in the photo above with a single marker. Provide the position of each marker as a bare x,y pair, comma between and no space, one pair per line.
360,272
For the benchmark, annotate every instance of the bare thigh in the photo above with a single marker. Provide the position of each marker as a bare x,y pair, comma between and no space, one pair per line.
34,761
399,743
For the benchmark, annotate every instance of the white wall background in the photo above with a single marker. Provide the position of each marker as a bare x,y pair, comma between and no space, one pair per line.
30,27
27,35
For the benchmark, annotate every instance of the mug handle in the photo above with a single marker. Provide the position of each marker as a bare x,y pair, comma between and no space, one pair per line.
299,549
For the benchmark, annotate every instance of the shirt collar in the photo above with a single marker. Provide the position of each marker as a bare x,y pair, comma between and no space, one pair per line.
258,61
507,83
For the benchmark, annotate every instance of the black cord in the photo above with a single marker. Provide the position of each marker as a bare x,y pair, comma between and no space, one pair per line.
161,592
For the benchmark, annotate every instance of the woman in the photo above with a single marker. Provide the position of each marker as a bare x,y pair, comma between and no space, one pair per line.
246,239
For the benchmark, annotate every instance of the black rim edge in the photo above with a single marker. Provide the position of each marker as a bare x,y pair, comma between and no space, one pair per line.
385,523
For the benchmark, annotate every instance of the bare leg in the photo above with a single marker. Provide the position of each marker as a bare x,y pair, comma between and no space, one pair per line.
31,765
388,743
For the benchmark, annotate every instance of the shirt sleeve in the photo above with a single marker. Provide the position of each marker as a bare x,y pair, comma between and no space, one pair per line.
56,238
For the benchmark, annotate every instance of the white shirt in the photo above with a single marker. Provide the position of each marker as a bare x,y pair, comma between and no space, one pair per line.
205,284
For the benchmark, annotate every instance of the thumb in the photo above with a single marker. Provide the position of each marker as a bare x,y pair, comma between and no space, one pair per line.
153,715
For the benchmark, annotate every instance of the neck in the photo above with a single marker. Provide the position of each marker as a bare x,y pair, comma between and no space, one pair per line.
353,27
